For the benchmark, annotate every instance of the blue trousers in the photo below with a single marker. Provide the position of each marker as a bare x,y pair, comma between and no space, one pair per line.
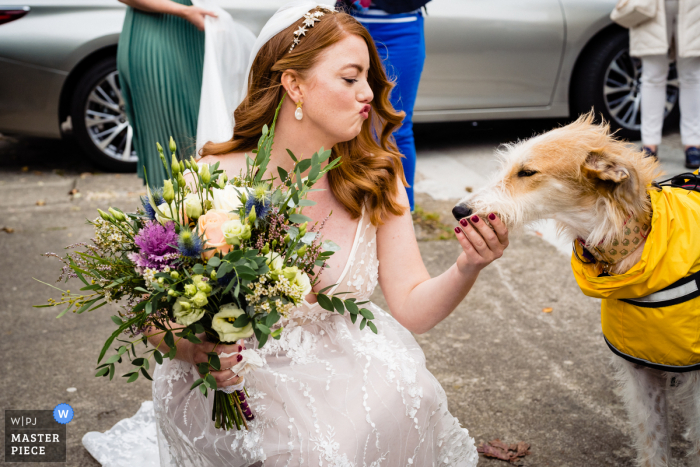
400,40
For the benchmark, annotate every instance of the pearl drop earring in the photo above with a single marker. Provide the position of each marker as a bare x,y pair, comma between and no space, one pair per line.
298,114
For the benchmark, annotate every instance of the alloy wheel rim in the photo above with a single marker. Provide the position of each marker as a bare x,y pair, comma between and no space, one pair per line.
622,86
106,121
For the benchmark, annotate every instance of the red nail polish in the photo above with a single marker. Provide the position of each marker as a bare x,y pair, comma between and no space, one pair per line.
492,216
239,358
240,347
464,222
457,230
475,219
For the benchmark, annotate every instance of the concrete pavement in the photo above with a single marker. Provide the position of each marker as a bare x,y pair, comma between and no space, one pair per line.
510,370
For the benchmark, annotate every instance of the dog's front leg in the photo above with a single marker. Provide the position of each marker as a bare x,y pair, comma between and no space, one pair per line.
644,396
688,396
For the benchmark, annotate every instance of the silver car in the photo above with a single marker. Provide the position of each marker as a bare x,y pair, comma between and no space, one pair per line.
486,59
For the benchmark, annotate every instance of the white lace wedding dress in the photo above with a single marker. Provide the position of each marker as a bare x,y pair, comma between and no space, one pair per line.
328,395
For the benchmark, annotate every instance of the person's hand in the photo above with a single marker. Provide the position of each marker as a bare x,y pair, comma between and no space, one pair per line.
197,353
481,243
196,15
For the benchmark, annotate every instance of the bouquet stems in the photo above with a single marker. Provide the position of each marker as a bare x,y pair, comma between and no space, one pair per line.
231,409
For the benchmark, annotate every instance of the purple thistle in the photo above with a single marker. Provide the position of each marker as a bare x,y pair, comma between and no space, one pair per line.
157,245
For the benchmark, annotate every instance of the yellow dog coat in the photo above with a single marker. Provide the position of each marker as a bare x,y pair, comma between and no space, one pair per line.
651,313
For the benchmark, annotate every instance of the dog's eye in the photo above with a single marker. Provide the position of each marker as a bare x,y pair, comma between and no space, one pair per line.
526,173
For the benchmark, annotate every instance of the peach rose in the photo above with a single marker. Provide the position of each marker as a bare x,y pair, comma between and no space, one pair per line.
210,227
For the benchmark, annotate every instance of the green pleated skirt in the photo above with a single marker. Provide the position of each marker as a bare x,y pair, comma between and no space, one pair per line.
160,60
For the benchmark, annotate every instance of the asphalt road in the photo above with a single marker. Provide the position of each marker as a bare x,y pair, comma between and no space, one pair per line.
510,370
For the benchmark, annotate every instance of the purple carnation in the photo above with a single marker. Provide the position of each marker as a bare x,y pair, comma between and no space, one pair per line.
156,244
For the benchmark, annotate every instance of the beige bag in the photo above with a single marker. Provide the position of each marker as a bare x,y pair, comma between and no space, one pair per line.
632,13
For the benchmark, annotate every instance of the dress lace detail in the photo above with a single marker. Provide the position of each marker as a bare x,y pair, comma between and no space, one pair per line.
328,394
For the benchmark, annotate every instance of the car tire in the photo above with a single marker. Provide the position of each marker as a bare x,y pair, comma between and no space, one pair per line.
607,79
100,125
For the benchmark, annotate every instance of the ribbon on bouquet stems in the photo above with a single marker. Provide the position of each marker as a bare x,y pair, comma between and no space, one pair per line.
231,402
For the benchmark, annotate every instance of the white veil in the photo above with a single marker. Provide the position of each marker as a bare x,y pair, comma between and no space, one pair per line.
229,51
226,47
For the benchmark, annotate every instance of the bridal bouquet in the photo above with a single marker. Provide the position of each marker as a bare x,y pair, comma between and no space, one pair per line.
224,259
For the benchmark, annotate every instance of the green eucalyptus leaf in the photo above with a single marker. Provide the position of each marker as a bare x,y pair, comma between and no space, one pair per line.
215,362
283,173
352,307
194,339
338,305
329,245
169,339
299,218
325,302
196,383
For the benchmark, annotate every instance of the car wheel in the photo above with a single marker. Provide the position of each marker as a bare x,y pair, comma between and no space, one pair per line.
608,80
100,124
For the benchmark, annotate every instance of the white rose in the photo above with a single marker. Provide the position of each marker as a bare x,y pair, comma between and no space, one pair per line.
193,206
233,231
185,313
222,323
227,199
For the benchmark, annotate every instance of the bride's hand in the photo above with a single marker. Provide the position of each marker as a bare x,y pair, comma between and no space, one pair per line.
197,353
196,15
481,244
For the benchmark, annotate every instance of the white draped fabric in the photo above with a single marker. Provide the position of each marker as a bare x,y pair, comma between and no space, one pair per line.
227,46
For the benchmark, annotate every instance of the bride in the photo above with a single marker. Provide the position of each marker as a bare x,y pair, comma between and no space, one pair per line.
330,394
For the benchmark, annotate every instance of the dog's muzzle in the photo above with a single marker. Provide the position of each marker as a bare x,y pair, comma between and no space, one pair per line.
461,211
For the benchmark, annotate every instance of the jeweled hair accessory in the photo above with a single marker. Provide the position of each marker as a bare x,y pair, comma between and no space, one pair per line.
310,19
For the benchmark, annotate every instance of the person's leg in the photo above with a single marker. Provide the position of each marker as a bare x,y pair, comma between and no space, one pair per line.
653,89
402,48
689,79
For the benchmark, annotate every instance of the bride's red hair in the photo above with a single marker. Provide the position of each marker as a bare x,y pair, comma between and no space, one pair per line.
371,162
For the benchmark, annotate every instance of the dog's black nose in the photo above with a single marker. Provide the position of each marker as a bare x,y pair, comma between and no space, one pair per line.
460,211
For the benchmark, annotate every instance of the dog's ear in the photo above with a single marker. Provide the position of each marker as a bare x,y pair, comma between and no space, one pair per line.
602,167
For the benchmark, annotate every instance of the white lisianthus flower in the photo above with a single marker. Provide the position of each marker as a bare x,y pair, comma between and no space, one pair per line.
303,282
275,262
185,312
227,199
193,206
298,278
190,289
222,323
233,230
168,211
200,299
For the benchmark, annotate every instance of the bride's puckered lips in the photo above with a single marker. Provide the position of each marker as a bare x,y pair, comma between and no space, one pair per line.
365,111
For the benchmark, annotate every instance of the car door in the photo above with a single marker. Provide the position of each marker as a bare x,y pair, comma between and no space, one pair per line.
488,54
